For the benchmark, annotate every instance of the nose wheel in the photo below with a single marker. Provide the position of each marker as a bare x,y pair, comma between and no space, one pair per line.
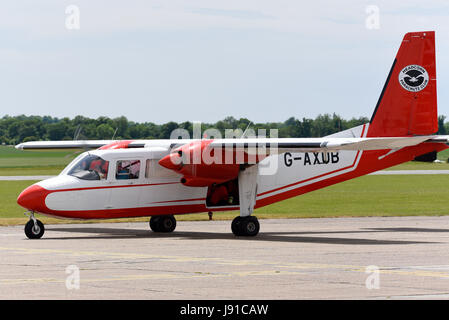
34,229
245,226
163,223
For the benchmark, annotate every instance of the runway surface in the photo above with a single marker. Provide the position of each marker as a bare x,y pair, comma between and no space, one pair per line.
342,258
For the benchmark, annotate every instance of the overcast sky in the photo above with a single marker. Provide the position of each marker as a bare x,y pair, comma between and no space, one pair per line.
203,60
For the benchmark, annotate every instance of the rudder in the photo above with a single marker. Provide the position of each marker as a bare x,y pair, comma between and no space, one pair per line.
407,105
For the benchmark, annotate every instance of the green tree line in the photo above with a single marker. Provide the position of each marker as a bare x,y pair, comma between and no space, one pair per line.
17,129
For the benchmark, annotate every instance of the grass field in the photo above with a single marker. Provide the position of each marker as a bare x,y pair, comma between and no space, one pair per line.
364,196
15,162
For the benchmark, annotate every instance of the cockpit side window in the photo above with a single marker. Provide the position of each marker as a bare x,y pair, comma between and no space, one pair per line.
90,167
127,169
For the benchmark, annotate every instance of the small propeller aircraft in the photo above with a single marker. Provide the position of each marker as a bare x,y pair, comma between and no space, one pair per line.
163,178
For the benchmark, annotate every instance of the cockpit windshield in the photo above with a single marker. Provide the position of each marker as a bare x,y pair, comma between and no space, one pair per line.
90,167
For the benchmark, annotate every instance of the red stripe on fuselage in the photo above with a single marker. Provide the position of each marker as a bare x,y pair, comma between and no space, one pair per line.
112,187
368,163
316,177
186,200
319,176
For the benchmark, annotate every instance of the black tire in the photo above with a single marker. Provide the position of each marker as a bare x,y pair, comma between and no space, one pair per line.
250,226
154,223
167,224
235,226
245,226
163,223
34,232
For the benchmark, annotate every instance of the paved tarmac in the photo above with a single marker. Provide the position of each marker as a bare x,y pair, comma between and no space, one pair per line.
341,258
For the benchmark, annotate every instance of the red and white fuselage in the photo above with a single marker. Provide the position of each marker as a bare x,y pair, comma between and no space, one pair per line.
166,177
159,191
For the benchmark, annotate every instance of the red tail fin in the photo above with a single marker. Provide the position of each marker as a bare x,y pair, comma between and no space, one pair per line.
408,102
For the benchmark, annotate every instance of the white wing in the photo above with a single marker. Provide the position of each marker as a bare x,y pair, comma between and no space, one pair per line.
281,145
72,144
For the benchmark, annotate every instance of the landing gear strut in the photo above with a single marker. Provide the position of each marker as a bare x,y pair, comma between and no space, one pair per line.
163,223
34,229
245,226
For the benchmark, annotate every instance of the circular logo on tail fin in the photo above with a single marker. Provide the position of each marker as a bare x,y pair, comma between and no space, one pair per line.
413,78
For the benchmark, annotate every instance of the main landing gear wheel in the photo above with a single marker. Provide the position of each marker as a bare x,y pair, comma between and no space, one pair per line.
245,226
34,229
163,223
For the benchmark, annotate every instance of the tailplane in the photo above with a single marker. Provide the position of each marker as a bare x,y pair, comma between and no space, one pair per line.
407,105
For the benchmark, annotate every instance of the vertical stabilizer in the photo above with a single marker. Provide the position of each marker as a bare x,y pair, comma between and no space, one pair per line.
407,105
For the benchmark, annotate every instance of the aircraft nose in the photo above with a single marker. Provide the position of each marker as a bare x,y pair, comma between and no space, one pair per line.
171,161
33,198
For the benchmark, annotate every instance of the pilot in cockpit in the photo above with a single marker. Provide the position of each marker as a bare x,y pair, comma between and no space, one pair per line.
101,167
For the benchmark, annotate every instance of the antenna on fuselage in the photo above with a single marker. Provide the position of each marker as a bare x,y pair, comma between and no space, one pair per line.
114,133
246,130
77,132
76,135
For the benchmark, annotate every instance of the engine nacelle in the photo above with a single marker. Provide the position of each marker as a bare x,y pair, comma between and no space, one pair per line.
200,165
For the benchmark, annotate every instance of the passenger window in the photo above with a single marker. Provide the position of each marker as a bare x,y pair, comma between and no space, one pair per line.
153,170
127,169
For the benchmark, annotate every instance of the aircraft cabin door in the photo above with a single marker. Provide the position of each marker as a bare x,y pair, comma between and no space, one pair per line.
125,183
